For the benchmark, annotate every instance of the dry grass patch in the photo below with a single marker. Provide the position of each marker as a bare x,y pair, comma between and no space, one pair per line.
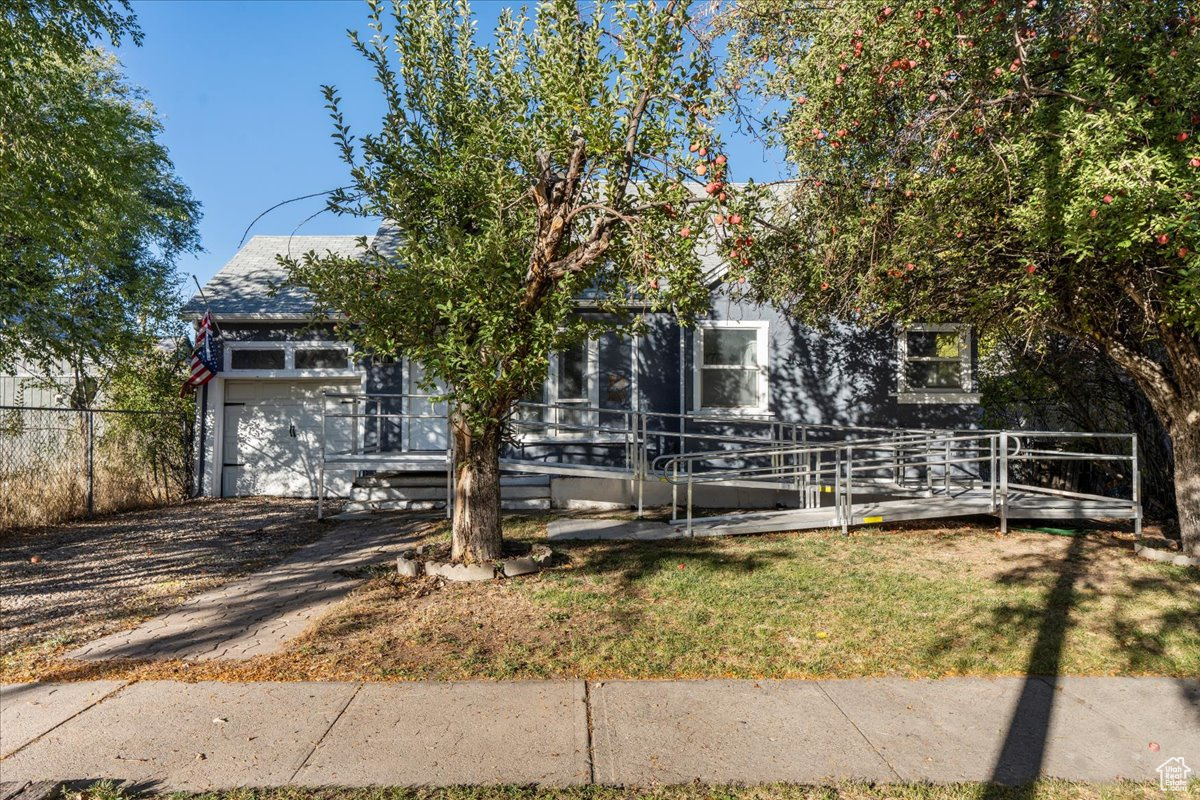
955,599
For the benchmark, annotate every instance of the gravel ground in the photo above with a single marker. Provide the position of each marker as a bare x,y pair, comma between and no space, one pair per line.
68,583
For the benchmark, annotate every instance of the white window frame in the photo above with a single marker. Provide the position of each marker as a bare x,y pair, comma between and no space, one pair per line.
762,340
967,393
289,349
591,383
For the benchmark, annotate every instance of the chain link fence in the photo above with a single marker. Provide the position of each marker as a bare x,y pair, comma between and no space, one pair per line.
58,464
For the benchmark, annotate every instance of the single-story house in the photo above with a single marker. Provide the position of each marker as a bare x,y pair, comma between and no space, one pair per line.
260,430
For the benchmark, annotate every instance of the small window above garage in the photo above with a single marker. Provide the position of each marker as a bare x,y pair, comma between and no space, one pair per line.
257,358
300,359
322,358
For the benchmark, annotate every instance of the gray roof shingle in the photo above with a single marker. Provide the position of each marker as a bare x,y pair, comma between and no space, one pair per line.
242,288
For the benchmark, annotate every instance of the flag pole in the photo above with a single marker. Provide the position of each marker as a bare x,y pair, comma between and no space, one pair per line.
204,298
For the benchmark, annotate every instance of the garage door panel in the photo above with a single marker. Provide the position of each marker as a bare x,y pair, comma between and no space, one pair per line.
272,438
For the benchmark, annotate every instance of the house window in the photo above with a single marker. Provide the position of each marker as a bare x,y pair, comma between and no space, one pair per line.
324,358
935,365
574,379
731,367
591,385
321,358
246,358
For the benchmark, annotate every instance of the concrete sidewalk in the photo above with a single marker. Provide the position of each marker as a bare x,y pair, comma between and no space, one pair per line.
192,736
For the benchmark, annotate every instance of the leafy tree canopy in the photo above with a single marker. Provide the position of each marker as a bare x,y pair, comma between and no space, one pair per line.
574,152
94,216
1029,164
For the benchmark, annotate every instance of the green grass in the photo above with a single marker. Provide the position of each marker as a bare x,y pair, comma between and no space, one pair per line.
916,602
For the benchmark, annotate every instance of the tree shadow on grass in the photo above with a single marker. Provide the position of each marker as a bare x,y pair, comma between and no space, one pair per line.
1024,749
1144,642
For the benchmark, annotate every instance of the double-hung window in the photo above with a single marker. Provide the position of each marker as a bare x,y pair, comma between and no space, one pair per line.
731,367
573,386
935,365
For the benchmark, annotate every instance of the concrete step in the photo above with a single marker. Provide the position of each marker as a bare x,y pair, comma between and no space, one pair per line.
405,481
372,506
507,492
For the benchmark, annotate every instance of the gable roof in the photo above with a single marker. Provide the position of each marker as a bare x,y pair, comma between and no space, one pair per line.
242,288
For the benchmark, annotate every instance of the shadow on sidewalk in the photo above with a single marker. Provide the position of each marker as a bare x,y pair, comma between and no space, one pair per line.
1024,750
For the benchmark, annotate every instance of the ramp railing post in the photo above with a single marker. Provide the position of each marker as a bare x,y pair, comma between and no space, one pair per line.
643,457
689,499
992,473
675,491
1003,444
1136,489
849,499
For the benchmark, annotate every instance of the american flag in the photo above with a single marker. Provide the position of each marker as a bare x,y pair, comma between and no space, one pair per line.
202,365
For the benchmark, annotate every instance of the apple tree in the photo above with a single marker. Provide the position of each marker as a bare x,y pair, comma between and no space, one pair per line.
1031,164
571,150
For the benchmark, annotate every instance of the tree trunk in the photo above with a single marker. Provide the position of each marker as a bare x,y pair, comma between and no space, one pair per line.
475,534
1174,399
1185,442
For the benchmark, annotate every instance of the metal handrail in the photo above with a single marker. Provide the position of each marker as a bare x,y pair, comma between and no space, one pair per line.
811,467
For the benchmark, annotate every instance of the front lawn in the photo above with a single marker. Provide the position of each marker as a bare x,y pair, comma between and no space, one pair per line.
919,602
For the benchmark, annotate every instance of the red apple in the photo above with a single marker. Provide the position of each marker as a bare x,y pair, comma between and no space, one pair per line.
1181,136
1195,162
694,147
1108,198
685,232
1183,251
1032,268
801,100
1162,238
720,160
1093,213
735,219
703,168
718,219
703,151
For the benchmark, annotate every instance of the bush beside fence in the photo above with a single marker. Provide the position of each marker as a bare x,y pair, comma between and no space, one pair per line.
58,464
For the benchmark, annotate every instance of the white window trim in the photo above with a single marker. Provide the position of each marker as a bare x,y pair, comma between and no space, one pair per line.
289,349
762,339
549,397
966,394
591,381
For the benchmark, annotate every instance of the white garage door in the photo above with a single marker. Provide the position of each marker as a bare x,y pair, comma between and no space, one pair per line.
271,441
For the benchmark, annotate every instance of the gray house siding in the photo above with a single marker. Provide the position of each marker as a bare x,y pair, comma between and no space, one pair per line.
839,376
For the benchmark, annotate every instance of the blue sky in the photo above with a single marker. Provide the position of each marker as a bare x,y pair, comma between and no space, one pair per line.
237,85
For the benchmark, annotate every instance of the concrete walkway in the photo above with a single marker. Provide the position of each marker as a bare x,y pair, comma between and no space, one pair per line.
260,613
166,735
